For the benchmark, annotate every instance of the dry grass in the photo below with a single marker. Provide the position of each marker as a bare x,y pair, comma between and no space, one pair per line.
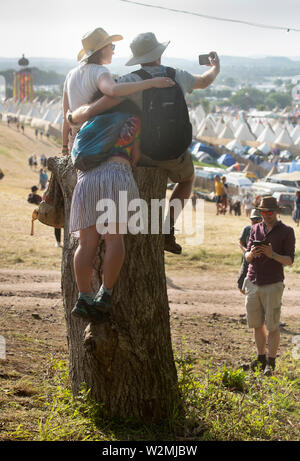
18,249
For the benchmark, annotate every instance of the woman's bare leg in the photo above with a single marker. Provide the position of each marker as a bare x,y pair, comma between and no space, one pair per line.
113,259
84,258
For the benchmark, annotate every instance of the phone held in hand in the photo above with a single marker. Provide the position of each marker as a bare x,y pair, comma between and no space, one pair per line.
257,243
204,59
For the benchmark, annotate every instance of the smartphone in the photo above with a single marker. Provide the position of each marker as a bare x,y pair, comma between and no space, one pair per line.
204,59
257,243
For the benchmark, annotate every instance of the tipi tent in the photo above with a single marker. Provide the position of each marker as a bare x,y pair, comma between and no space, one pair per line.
267,136
243,133
206,129
226,133
264,148
284,138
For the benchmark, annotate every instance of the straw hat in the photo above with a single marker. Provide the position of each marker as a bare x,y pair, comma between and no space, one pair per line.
269,203
145,48
94,41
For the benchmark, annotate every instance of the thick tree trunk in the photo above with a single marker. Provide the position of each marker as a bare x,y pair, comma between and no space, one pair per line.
127,361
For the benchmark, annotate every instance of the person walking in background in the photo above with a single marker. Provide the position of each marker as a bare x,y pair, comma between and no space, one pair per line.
224,199
248,205
255,218
219,188
34,162
271,246
296,212
43,179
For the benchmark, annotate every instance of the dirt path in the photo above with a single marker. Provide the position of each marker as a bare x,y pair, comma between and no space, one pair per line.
207,318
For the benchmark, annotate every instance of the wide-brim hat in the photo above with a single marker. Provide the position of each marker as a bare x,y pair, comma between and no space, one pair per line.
145,48
95,40
269,203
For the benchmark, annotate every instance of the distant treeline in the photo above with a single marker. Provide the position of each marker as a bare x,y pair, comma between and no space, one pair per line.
40,77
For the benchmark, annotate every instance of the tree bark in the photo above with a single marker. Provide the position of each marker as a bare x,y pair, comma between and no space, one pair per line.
126,360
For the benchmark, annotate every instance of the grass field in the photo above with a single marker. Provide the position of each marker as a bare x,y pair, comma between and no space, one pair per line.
18,247
222,401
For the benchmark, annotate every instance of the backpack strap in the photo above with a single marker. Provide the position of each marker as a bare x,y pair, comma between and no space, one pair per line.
143,74
171,72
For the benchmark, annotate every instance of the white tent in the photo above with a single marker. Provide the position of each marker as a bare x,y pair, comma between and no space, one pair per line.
295,133
199,115
297,142
206,129
50,115
284,138
220,125
235,146
243,133
226,133
267,135
264,148
59,119
258,128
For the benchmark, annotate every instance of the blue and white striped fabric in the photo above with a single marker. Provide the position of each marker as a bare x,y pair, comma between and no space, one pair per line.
104,182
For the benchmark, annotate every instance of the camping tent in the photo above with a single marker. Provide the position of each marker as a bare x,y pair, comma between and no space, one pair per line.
284,138
226,159
226,133
243,133
294,166
267,136
264,148
204,157
206,129
235,146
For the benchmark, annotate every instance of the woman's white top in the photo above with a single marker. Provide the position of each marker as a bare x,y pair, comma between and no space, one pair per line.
81,84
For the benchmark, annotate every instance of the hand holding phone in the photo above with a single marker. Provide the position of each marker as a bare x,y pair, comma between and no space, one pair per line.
204,60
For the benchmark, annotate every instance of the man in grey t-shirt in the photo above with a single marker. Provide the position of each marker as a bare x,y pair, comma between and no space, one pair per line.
147,52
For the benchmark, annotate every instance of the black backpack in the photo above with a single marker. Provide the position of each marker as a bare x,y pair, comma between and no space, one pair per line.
166,129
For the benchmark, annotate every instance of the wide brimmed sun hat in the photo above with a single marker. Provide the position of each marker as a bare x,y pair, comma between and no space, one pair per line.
269,203
145,48
94,41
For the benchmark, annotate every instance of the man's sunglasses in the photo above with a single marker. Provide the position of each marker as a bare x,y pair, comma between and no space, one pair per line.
268,213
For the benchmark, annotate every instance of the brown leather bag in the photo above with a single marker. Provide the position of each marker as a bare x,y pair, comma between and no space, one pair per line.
51,210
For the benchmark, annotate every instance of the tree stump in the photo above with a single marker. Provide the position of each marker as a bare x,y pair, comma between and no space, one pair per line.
127,360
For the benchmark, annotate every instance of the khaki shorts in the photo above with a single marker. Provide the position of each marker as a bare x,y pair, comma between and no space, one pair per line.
263,304
179,169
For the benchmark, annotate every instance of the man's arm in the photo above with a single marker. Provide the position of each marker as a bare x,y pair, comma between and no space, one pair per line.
84,113
206,79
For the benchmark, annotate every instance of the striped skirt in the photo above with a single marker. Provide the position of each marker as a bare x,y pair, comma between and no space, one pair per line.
101,196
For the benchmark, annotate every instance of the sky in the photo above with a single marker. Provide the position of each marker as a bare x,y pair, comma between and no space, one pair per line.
54,28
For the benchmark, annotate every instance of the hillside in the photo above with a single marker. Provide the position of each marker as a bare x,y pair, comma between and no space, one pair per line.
238,67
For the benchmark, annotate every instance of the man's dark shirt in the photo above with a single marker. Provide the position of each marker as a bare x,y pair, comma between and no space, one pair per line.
264,270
